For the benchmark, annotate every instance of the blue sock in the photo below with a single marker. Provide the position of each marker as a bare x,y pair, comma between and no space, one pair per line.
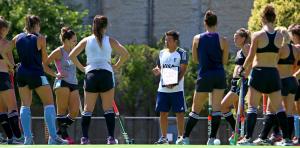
50,117
25,114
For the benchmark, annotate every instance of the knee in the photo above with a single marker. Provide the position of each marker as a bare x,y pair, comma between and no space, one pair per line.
164,114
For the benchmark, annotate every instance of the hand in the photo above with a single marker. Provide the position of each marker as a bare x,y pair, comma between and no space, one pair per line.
241,71
60,75
116,67
156,71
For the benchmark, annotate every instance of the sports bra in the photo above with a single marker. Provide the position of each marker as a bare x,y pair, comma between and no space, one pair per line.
290,59
240,58
271,46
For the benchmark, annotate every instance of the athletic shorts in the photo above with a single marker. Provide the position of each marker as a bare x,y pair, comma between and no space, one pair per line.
235,88
298,92
33,81
63,83
5,83
211,80
166,101
98,81
265,79
289,86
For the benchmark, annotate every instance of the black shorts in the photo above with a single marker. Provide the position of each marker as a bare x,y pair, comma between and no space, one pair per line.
298,92
63,83
211,80
289,86
5,83
33,81
265,79
98,81
235,88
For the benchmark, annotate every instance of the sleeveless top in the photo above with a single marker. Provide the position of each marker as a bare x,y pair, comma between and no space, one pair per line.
271,45
290,59
240,58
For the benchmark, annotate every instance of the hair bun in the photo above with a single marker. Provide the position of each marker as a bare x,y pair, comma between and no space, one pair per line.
64,30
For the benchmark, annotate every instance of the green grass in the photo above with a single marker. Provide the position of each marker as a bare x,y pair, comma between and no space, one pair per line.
132,146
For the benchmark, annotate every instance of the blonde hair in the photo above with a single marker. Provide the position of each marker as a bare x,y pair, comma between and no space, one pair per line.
285,33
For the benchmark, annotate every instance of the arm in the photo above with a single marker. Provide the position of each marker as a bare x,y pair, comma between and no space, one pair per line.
183,64
8,56
41,43
75,52
297,51
156,70
195,49
55,55
121,51
252,52
225,48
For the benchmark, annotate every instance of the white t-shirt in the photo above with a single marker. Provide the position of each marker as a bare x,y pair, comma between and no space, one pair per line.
168,60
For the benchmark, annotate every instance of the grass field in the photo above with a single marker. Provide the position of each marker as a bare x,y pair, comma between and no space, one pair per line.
132,146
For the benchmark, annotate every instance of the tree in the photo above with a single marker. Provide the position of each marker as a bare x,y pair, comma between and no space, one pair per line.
287,13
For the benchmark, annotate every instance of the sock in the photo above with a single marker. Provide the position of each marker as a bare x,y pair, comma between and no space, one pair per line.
276,129
13,118
269,120
60,122
5,124
215,123
191,122
282,118
230,119
290,125
85,123
50,117
251,121
110,122
25,115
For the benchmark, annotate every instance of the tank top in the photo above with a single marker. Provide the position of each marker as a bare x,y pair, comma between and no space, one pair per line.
209,53
29,55
65,65
98,57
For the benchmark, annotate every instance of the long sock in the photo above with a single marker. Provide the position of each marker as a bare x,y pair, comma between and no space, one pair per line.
50,117
276,129
85,123
59,120
25,115
282,118
230,119
215,123
191,122
5,124
13,118
269,120
67,121
251,121
290,125
110,122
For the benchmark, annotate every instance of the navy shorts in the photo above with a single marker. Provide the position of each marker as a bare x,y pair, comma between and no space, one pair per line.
32,81
289,86
211,80
166,101
265,79
5,83
235,88
63,83
298,92
98,81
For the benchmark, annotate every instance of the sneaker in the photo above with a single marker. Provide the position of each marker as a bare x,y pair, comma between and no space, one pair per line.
296,141
162,140
284,142
18,140
57,141
85,140
260,141
245,141
9,141
179,140
70,140
275,138
210,141
28,141
111,140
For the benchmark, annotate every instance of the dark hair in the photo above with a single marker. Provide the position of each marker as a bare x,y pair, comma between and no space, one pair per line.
296,30
210,18
66,34
3,23
269,13
173,33
99,23
242,32
30,22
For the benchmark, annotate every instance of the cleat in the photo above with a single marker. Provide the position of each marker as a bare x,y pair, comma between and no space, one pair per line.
162,140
